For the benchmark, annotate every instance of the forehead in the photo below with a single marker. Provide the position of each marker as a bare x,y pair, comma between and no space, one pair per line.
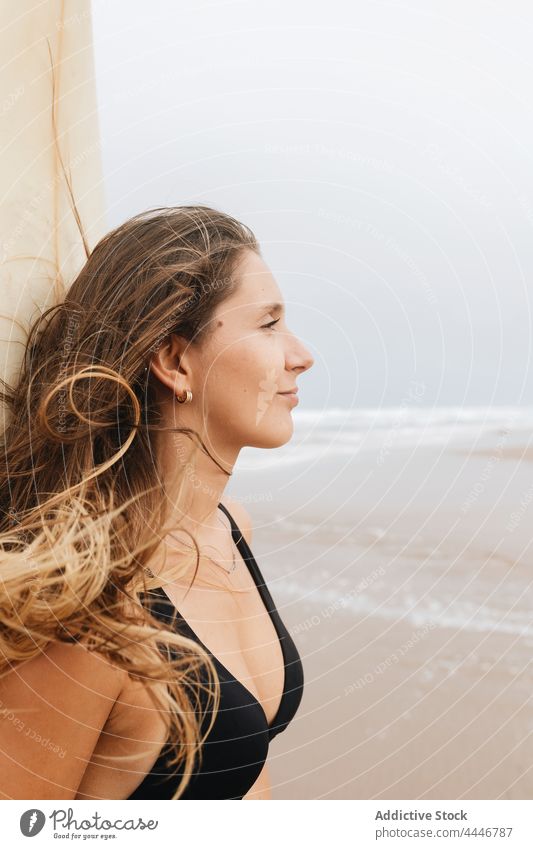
257,287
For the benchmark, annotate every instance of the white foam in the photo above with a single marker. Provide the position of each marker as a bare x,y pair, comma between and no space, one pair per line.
323,434
467,616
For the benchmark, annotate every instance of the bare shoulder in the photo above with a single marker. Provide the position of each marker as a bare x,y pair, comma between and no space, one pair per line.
241,516
52,711
76,656
63,668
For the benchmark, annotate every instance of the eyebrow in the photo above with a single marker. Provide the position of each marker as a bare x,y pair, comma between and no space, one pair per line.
275,307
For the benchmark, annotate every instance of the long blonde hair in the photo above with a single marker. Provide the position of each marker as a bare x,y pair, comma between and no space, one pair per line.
82,503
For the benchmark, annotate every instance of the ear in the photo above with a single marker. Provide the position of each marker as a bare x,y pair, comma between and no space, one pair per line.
171,363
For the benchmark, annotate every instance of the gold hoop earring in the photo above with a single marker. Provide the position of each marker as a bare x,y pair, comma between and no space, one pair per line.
186,398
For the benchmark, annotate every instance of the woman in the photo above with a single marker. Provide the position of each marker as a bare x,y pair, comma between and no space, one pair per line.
168,355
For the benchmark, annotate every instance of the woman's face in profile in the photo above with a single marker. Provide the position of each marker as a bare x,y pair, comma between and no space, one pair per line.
249,357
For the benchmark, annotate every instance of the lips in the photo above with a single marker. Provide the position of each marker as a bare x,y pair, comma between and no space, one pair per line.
291,396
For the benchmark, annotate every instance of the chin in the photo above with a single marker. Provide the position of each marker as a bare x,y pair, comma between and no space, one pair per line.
273,436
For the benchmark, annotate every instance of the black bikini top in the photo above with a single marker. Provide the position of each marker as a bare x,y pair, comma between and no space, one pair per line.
236,749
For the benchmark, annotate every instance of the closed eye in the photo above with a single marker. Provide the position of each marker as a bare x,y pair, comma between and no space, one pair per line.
271,323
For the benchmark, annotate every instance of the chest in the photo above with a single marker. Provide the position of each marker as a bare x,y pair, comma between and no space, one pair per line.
237,629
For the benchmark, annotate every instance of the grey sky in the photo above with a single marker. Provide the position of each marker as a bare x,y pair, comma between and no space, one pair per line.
381,152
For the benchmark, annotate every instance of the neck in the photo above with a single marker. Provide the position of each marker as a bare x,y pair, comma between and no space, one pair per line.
194,483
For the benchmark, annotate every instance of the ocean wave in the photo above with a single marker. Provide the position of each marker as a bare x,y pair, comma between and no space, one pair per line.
323,434
466,616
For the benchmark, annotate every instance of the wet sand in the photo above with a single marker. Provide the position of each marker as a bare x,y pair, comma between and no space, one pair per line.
407,589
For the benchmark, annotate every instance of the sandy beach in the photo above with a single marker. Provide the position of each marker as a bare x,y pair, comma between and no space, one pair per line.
404,578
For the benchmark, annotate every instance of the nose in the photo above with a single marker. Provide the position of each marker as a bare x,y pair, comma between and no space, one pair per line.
299,357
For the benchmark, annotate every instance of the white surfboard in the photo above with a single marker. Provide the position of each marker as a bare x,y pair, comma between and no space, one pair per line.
47,81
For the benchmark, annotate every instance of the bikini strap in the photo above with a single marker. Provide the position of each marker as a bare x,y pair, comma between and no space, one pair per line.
235,530
251,562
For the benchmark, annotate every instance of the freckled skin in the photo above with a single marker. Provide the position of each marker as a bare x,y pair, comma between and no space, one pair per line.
235,375
238,369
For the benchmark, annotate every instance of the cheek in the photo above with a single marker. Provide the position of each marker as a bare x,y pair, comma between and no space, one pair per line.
245,375
259,366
